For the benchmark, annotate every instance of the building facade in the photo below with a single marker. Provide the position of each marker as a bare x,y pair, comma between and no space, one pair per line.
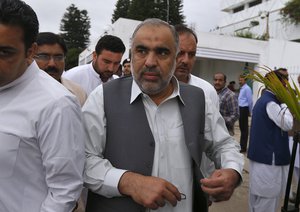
259,17
221,53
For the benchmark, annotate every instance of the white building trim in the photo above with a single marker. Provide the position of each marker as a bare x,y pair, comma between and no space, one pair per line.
227,55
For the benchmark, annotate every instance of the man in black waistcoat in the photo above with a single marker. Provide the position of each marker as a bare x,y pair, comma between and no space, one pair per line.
147,155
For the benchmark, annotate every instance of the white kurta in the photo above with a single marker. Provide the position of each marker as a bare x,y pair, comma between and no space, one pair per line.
41,145
86,77
207,166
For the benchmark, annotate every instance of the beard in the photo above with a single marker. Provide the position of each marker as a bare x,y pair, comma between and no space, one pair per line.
151,81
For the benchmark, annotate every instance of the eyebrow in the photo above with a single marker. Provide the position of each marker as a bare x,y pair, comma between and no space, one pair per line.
162,49
8,48
47,53
140,46
156,49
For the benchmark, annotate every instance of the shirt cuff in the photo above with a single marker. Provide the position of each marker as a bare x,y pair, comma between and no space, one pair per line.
237,167
111,182
283,105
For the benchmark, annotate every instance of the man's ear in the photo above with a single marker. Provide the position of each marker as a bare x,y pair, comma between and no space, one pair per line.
94,56
31,52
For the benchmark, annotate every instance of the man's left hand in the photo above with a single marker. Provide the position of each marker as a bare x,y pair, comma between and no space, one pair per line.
221,184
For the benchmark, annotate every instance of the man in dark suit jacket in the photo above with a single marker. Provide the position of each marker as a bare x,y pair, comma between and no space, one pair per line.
147,155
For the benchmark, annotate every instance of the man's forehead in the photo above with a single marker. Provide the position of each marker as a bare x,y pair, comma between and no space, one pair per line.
50,47
219,76
161,31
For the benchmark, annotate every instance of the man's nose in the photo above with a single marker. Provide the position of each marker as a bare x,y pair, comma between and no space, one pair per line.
151,60
183,58
51,62
112,67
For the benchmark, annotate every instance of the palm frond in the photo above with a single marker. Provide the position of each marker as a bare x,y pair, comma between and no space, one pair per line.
290,95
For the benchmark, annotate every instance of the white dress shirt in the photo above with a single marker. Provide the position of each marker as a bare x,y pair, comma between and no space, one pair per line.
41,145
86,77
75,89
167,129
207,166
207,88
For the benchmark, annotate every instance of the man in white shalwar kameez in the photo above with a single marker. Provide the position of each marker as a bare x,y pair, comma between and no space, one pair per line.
268,152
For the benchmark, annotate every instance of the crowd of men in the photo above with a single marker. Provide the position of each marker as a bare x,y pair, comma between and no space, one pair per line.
156,137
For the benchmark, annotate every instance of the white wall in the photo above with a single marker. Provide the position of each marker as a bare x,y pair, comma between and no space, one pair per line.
217,53
280,53
240,21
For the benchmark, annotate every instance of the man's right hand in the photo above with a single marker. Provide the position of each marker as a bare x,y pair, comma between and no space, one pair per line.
151,192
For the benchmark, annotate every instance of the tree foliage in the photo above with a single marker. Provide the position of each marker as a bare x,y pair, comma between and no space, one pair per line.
121,10
75,29
291,12
176,15
143,9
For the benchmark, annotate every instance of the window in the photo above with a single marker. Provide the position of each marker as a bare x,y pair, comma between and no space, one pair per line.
254,3
238,9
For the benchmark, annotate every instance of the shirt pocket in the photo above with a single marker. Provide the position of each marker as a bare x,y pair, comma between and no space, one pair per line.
9,145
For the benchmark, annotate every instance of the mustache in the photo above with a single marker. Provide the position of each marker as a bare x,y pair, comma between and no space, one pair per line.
182,65
149,70
52,70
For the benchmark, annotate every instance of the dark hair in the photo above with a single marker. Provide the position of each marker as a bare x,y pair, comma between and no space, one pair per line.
181,29
283,72
18,13
279,75
110,43
157,22
49,38
281,69
126,61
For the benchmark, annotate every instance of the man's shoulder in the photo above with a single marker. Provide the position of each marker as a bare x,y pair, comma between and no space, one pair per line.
119,81
49,90
76,89
190,89
70,85
77,71
209,90
228,92
201,83
247,87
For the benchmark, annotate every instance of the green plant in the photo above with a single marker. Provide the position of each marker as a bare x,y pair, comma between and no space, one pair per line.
245,34
287,94
248,34
291,12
